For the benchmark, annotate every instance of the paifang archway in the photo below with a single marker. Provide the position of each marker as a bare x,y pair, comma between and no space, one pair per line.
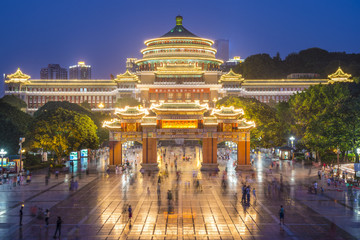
180,120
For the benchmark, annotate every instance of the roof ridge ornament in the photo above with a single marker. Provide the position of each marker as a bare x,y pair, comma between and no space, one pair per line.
179,20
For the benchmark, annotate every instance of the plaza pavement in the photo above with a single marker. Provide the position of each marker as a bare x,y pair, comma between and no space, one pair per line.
96,209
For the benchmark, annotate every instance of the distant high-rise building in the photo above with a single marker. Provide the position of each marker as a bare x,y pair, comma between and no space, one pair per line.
53,71
80,71
222,47
231,63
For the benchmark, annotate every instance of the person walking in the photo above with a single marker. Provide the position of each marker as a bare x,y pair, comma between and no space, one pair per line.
58,226
130,213
21,215
315,187
243,197
47,216
282,215
248,194
254,193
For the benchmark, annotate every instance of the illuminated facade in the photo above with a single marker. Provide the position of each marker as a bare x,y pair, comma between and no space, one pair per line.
180,121
178,67
80,71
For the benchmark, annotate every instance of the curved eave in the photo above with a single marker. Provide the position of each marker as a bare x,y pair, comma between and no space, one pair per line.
340,80
231,80
179,112
130,115
22,81
112,124
246,125
179,46
228,116
192,58
127,80
187,38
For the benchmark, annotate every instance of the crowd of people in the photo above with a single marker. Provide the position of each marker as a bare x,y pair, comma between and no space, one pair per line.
15,180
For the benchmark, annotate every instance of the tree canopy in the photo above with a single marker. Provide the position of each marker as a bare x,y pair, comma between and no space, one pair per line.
96,117
63,131
14,101
269,131
312,60
14,124
327,117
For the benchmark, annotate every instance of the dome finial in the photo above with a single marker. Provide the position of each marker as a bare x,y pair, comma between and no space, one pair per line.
179,20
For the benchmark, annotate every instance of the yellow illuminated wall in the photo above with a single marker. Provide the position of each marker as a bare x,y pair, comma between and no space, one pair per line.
179,124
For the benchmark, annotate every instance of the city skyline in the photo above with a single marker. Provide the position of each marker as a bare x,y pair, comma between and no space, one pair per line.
106,42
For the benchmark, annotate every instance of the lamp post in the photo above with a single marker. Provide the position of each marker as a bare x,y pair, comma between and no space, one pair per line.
2,154
21,140
292,141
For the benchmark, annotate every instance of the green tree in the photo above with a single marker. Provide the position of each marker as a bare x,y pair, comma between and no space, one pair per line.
62,131
98,118
14,101
14,124
86,105
262,66
317,120
269,131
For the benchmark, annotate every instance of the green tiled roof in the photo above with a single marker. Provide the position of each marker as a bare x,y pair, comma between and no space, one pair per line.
179,30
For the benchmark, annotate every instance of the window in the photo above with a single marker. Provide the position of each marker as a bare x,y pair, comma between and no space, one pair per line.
170,95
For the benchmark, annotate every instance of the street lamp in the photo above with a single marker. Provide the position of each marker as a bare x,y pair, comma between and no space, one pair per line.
2,154
21,140
292,141
101,106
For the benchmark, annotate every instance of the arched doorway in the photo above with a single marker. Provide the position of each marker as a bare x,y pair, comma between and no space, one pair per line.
227,155
131,153
179,154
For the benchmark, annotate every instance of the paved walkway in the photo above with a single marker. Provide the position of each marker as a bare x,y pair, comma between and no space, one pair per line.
96,210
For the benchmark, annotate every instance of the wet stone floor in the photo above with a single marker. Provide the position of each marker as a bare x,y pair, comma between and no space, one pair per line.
98,209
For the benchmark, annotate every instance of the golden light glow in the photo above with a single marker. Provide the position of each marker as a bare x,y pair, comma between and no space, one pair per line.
179,108
81,63
211,42
167,46
339,76
17,77
244,124
191,58
112,124
231,77
101,105
127,77
131,112
179,124
227,112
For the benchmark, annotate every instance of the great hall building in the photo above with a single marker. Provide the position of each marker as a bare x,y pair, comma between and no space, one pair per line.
176,67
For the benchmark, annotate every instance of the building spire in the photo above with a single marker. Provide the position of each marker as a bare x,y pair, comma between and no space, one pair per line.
179,20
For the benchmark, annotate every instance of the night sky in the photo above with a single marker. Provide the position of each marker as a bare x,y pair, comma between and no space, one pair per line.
103,33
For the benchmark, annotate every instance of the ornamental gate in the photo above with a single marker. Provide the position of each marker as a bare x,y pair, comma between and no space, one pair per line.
180,121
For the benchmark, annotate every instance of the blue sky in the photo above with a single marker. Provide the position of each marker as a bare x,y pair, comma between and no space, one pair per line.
105,32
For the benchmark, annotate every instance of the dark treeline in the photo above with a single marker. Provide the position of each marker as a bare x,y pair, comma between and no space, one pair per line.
312,60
